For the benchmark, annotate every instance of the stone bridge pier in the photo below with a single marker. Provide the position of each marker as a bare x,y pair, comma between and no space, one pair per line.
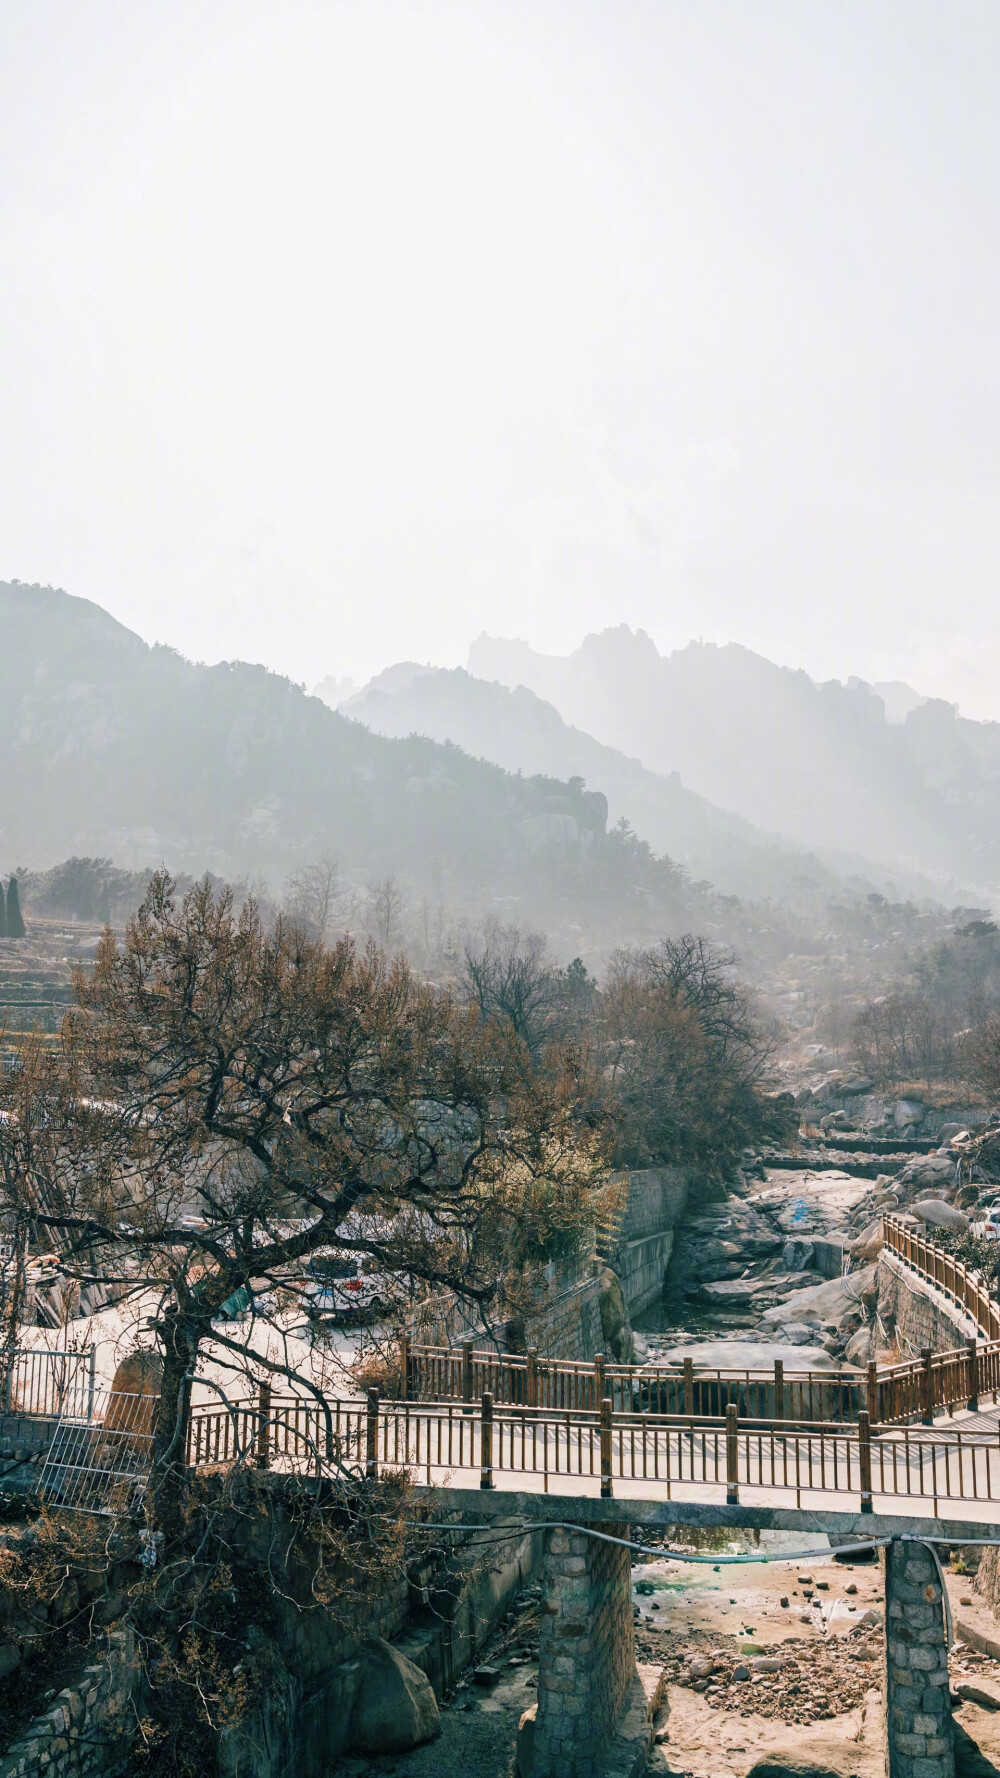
586,1663
920,1741
587,1658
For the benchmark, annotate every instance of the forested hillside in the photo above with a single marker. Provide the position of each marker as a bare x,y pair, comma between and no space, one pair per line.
517,729
118,750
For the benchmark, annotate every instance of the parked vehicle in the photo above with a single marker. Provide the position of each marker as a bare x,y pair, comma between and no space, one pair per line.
345,1285
987,1224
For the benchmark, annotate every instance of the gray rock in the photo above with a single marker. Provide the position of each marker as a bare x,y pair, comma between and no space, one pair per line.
614,1317
395,1708
793,1764
908,1111
526,1741
852,1088
939,1215
741,1355
827,1302
928,1170
798,1254
988,1698
947,1132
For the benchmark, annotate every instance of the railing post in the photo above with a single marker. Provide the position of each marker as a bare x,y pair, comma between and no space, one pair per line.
404,1367
972,1349
486,1453
732,1457
371,1437
927,1360
779,1389
606,1487
466,1370
689,1386
91,1385
871,1393
532,1380
264,1426
865,1461
598,1379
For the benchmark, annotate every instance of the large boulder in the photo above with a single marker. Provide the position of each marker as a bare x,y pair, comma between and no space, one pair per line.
825,1303
526,1741
744,1355
908,1111
795,1763
868,1244
395,1708
940,1215
799,1254
615,1328
927,1172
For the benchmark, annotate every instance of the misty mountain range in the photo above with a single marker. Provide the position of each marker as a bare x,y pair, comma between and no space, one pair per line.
893,782
479,791
116,748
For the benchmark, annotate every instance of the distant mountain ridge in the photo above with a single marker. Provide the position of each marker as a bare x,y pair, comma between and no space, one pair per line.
524,733
820,764
116,748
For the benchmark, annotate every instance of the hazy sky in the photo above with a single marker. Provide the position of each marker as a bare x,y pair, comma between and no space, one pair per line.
334,334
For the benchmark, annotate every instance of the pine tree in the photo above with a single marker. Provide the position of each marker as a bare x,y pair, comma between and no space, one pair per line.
3,914
15,924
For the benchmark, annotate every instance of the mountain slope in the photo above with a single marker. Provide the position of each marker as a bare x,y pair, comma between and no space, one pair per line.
114,747
820,764
522,732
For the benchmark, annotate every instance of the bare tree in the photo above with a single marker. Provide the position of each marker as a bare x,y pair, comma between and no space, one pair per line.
230,1101
386,901
686,1054
314,895
508,977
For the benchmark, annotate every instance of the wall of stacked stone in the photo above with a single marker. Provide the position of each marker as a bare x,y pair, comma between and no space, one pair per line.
656,1198
655,1201
85,1732
586,1652
920,1315
919,1730
567,1320
565,1324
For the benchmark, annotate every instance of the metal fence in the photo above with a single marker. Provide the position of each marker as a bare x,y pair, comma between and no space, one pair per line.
891,1395
46,1384
101,1464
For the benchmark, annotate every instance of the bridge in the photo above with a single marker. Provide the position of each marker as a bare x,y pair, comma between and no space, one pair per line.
593,1452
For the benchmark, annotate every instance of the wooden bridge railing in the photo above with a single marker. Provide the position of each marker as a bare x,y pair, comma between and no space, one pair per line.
541,1447
890,1394
965,1287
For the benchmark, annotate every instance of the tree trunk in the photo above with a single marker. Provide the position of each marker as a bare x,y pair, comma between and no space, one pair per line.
181,1342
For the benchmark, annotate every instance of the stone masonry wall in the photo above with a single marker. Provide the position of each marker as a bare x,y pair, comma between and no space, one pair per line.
640,1254
586,1652
86,1730
657,1197
919,1315
919,1730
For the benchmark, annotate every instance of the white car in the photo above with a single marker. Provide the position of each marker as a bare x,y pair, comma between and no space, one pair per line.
987,1227
347,1284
